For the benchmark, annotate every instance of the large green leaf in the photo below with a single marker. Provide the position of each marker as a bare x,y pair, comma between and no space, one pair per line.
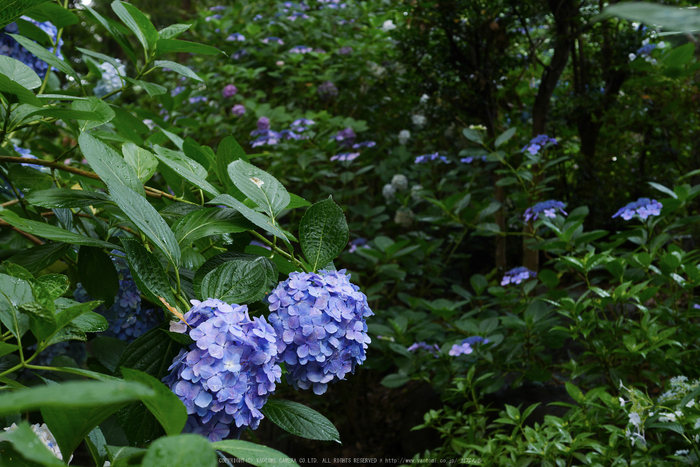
187,168
148,273
151,353
261,187
12,10
300,420
26,442
669,17
147,219
28,180
254,454
66,114
138,23
173,30
255,217
59,16
165,46
177,68
323,233
98,275
51,232
17,78
43,54
209,221
72,395
13,293
245,279
165,405
229,151
151,88
39,257
108,164
118,36
182,451
66,198
95,106
142,160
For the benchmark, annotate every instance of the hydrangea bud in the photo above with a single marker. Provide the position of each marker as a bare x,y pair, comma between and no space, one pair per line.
238,110
400,182
404,136
320,323
229,91
389,192
229,371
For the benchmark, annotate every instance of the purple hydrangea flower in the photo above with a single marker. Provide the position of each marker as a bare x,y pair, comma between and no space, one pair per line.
268,137
345,156
643,207
238,110
537,143
300,124
267,40
549,208
176,91
345,137
197,99
263,124
297,14
239,54
217,8
345,50
364,144
229,91
465,347
229,371
320,323
126,317
327,90
431,157
209,18
236,36
433,349
357,243
645,49
517,275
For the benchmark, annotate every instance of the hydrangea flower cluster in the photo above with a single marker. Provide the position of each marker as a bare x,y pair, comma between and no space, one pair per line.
419,120
229,371
44,434
300,49
327,90
127,318
197,99
389,192
404,217
268,136
320,322
345,156
643,207
73,349
466,346
229,91
549,208
404,136
400,182
517,275
431,157
346,50
272,39
236,37
357,243
11,48
111,78
238,110
537,143
433,349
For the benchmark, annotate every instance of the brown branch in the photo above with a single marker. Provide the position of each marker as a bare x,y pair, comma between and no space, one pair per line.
26,235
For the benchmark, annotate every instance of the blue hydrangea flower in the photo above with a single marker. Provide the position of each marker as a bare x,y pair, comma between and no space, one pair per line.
127,318
645,49
111,78
433,349
12,48
27,154
345,156
364,144
267,40
467,160
549,208
425,158
466,346
357,243
537,143
229,371
197,99
300,49
320,323
300,125
236,36
643,207
517,275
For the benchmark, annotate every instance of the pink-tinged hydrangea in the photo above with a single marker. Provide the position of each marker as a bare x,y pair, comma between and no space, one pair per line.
229,91
238,110
127,318
466,346
320,323
643,207
537,143
517,275
229,371
549,208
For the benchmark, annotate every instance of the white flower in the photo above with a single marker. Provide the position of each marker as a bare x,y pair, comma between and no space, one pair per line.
635,419
424,98
419,120
377,70
690,403
388,192
682,452
667,417
404,136
622,401
415,192
399,181
388,25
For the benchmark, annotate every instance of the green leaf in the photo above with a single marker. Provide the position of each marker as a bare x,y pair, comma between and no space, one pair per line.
187,168
663,189
66,114
165,46
300,420
256,218
151,353
69,314
254,454
99,56
141,160
504,137
669,17
323,233
59,16
151,88
72,395
26,442
473,135
165,405
209,221
394,380
6,348
296,201
173,30
29,180
51,232
108,350
148,273
138,23
177,68
259,186
245,279
108,164
118,36
229,151
66,198
41,256
147,219
182,451
17,78
96,106
11,11
54,285
43,54
98,275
